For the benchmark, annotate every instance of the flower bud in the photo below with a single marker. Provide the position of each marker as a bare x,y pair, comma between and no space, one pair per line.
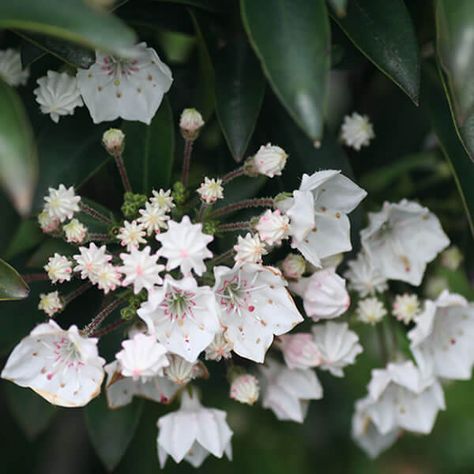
47,223
451,258
75,232
300,351
406,307
190,124
211,190
219,348
269,161
50,303
245,389
293,266
370,311
180,371
273,227
114,141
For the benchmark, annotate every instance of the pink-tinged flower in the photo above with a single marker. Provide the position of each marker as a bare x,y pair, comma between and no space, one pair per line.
245,389
113,140
182,316
219,348
273,227
47,223
75,232
108,278
269,160
91,260
254,305
131,235
50,303
190,123
184,245
293,266
153,218
192,433
406,307
163,199
249,249
300,351
59,268
211,190
61,203
61,366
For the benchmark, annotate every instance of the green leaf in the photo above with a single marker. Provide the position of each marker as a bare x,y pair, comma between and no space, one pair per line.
292,40
435,104
18,162
31,412
384,32
209,5
12,286
339,6
240,87
111,431
455,45
72,20
149,151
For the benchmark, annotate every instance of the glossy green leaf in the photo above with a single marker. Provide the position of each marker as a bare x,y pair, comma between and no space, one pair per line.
12,286
149,151
292,40
384,32
18,161
209,5
240,87
72,20
455,45
435,104
111,431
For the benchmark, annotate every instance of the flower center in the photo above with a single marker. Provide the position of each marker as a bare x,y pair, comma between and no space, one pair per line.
178,304
117,67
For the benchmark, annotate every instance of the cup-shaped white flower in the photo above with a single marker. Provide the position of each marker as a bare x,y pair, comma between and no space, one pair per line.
442,340
402,239
300,350
287,391
339,346
128,88
182,316
364,277
254,305
61,366
193,432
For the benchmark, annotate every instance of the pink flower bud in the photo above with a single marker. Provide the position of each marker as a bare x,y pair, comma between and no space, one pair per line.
245,389
300,351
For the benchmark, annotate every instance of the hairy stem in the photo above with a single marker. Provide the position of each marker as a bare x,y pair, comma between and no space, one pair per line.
30,277
123,172
227,178
234,226
222,257
77,292
245,204
95,214
101,316
109,328
188,149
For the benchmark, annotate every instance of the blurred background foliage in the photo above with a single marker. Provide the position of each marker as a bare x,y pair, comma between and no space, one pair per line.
284,71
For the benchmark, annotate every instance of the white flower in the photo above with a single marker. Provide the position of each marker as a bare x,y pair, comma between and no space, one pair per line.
184,245
273,227
402,239
254,305
319,225
131,235
193,432
142,357
338,345
107,278
180,371
140,269
249,249
59,268
190,123
442,339
113,140
287,391
293,266
300,351
152,218
128,88
211,190
162,199
47,223
90,261
403,397
11,70
366,434
61,366
219,348
75,232
370,310
50,303
58,94
269,160
61,203
357,131
364,277
182,316
324,294
451,258
406,307
245,389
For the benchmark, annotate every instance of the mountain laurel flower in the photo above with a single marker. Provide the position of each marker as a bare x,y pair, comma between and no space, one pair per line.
58,95
47,223
75,232
60,365
300,351
249,249
140,269
406,307
90,260
50,303
245,389
364,277
108,278
131,235
293,266
113,140
131,89
211,190
270,160
193,432
357,131
11,69
402,239
59,268
61,203
153,218
190,124
142,357
184,245
338,345
273,227
442,339
180,371
220,348
287,392
451,258
162,199
370,310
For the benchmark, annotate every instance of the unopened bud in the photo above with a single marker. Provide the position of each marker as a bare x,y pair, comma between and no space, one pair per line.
190,124
114,141
245,389
293,266
269,161
300,351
